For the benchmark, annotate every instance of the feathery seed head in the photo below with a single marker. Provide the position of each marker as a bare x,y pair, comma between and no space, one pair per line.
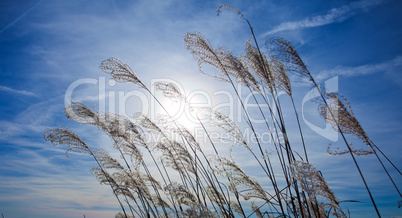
229,126
356,151
230,8
284,50
314,184
203,52
66,137
337,114
106,160
281,77
120,72
182,194
259,64
80,113
170,90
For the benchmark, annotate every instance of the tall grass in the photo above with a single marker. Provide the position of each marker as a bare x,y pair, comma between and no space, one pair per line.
172,175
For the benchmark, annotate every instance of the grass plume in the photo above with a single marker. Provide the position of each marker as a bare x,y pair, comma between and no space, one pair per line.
172,176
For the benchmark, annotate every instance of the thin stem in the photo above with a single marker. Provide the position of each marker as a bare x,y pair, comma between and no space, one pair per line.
348,146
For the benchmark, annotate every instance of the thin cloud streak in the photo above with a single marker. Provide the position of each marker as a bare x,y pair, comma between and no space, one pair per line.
33,120
16,20
335,15
391,68
20,92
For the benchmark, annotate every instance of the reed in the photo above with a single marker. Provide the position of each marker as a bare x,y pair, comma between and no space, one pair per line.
187,181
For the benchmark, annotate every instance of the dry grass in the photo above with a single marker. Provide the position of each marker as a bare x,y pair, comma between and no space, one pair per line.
185,181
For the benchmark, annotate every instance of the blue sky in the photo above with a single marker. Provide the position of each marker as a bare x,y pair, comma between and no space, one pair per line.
46,46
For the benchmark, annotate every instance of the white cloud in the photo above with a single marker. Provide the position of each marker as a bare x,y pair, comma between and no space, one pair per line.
391,68
152,45
20,92
335,15
61,195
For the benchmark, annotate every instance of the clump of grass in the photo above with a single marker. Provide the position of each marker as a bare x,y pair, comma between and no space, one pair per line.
186,181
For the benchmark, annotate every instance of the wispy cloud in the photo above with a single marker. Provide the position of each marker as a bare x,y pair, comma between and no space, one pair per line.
391,68
20,92
335,15
32,121
16,20
66,195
